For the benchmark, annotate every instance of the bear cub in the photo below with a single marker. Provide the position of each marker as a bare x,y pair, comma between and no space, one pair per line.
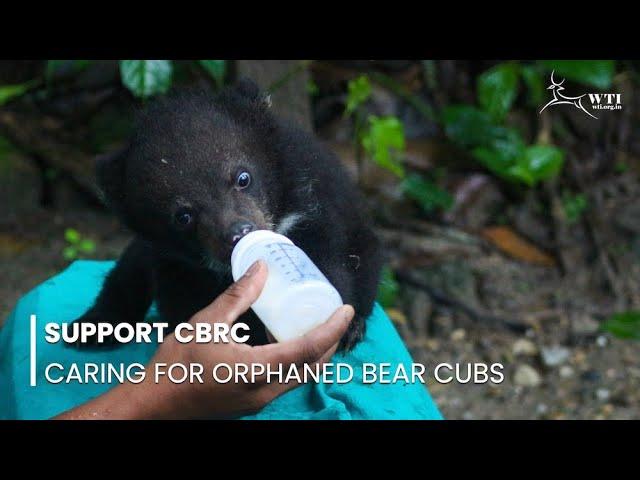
200,172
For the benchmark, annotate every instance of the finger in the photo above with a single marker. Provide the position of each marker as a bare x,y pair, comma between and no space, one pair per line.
270,337
236,299
312,346
270,391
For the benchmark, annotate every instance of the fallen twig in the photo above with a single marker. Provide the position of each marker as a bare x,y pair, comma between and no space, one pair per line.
443,299
420,244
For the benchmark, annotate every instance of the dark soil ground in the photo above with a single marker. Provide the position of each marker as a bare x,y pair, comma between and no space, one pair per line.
558,366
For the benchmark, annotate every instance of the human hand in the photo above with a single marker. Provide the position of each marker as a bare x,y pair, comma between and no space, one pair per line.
211,399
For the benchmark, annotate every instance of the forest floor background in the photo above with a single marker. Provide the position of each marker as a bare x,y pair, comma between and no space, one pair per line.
549,373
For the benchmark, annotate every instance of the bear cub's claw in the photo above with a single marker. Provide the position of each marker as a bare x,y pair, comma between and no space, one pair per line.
354,334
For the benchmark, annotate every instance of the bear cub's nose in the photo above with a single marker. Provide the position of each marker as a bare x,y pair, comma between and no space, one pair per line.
239,230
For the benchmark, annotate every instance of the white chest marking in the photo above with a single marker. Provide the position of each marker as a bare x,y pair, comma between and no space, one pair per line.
288,222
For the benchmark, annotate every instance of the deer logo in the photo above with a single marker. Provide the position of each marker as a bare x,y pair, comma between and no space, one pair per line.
559,98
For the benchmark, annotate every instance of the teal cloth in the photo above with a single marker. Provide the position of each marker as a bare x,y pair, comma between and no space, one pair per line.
68,294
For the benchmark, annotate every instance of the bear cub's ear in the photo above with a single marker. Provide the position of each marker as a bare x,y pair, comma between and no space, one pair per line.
247,88
110,174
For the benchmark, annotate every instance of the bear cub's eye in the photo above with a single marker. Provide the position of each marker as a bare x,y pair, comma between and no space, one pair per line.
243,180
184,218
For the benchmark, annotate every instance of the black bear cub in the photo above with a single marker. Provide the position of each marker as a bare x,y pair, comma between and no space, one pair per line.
200,172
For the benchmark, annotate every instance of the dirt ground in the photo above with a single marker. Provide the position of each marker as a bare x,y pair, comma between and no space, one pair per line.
559,367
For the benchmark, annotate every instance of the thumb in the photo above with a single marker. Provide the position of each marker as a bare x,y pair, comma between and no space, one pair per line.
312,346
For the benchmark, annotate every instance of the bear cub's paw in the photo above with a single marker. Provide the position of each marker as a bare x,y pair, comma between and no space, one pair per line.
354,334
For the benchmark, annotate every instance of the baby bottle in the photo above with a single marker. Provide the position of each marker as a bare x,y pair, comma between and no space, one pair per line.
296,296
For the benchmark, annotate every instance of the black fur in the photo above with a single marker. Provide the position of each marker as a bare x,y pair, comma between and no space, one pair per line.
186,153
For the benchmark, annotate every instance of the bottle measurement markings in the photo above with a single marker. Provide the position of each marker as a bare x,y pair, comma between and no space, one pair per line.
285,253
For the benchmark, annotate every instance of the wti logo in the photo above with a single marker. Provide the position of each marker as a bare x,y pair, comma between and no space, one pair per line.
593,101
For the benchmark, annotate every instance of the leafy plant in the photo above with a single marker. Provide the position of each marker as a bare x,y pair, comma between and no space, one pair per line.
594,73
388,288
312,88
359,91
497,89
624,325
77,245
532,77
573,206
145,78
383,140
501,149
621,167
480,129
469,126
537,163
528,165
426,193
10,92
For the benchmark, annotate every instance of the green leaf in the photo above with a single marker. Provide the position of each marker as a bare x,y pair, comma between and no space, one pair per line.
621,167
509,142
595,73
468,126
497,89
428,195
312,88
9,92
573,206
388,288
215,68
72,236
501,153
500,149
520,173
359,92
70,253
382,140
87,246
535,86
541,162
497,161
508,157
145,78
624,325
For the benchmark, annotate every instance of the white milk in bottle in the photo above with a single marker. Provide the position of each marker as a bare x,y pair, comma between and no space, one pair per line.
296,296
